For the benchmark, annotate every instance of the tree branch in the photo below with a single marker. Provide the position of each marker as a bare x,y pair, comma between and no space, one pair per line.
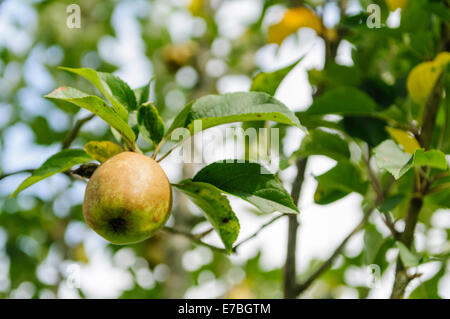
307,283
402,279
194,238
256,233
290,266
72,134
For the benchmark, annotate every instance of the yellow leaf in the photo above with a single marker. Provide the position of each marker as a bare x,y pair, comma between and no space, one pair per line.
79,254
422,79
196,8
293,20
405,139
395,4
101,151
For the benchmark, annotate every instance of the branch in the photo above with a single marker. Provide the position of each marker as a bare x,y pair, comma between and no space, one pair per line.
16,172
290,266
256,233
402,279
194,238
307,283
72,134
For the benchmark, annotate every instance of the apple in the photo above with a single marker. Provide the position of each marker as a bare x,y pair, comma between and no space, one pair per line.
127,199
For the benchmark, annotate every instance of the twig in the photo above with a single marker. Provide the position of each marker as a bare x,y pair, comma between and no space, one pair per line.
193,238
256,233
290,272
72,134
402,279
307,283
16,172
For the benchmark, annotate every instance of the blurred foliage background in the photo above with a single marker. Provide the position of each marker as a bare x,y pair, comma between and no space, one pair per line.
190,48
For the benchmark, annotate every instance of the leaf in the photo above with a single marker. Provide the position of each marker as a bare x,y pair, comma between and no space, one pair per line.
432,158
197,8
269,82
390,203
251,182
216,207
339,181
215,110
319,142
396,4
344,101
114,89
294,19
57,163
405,139
409,259
143,93
102,151
373,240
390,157
150,123
97,106
422,79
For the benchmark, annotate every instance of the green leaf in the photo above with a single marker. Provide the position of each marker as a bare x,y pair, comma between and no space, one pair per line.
251,182
216,207
373,240
338,182
319,142
143,93
115,90
57,163
390,203
432,158
269,82
150,123
97,106
408,258
391,158
102,151
215,110
343,101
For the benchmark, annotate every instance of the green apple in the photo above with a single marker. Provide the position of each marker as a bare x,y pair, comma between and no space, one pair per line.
127,199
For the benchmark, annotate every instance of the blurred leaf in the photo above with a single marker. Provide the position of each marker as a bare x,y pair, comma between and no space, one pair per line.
150,123
344,101
57,163
215,110
341,180
438,7
409,259
319,142
405,139
422,79
269,82
369,129
396,4
390,203
390,157
294,19
97,106
373,240
102,151
116,91
216,207
251,182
